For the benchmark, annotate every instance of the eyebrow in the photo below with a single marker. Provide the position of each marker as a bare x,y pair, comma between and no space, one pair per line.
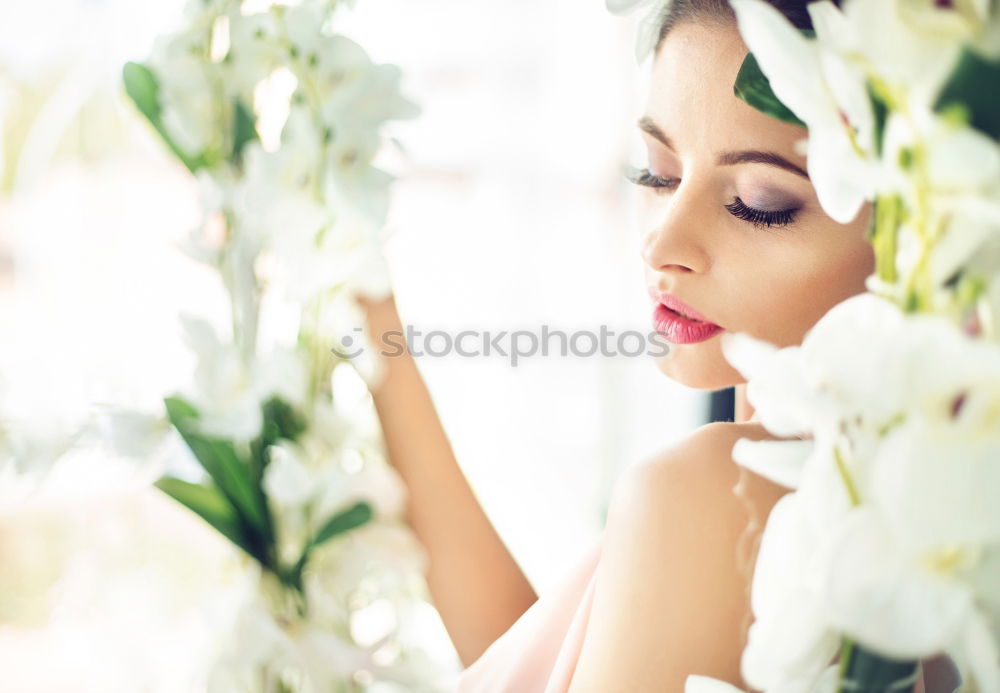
647,125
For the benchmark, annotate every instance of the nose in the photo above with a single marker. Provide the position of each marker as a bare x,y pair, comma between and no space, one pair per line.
674,240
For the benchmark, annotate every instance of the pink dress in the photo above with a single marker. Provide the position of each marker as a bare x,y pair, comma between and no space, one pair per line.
538,653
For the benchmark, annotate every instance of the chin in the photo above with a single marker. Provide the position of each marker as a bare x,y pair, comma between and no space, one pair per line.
699,366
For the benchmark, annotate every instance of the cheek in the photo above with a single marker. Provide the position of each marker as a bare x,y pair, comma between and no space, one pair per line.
790,294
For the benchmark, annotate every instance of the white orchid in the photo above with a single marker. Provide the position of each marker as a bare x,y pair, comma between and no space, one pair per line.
189,89
263,653
229,392
890,407
825,91
811,389
270,215
329,468
253,52
365,97
309,472
914,447
696,683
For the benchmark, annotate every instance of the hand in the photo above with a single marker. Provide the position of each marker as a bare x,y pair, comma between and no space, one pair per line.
381,317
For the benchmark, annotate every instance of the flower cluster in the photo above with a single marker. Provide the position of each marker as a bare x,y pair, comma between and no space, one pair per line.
280,120
887,550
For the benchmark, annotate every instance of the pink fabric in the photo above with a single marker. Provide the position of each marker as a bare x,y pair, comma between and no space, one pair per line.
538,653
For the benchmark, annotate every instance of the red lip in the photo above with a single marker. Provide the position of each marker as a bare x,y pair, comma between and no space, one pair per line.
678,322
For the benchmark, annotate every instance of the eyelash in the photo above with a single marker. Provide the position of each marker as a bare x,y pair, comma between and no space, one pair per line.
758,217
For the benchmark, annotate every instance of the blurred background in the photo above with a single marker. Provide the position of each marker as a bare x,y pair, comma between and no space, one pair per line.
510,212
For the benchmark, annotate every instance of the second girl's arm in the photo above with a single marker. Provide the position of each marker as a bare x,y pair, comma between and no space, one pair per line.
475,583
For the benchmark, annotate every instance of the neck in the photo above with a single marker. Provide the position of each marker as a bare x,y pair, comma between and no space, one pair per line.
743,411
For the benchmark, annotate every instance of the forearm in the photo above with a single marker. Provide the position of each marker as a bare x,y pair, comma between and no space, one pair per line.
476,585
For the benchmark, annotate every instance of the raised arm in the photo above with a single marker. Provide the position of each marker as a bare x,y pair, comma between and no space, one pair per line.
476,585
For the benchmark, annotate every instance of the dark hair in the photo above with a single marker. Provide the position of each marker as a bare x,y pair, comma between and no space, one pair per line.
719,11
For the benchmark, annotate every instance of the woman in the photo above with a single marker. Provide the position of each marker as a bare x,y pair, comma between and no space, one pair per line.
734,239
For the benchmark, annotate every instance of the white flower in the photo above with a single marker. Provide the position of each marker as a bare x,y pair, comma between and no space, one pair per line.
884,598
129,432
317,244
911,604
697,683
782,397
959,183
825,91
791,640
913,46
365,97
189,87
380,556
270,214
892,534
253,52
229,393
260,652
310,471
287,481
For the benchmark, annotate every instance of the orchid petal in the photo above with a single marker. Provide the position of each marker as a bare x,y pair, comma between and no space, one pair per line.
780,461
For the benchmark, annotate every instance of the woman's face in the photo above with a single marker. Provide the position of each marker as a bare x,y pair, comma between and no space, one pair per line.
773,282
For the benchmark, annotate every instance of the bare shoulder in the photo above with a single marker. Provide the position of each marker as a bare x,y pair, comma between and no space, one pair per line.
700,463
671,595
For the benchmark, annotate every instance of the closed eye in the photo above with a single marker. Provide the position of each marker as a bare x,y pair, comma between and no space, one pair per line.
649,179
758,217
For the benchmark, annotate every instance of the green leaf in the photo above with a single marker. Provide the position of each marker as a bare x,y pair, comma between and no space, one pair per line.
754,88
342,522
144,89
281,421
244,130
352,518
208,503
231,474
972,87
